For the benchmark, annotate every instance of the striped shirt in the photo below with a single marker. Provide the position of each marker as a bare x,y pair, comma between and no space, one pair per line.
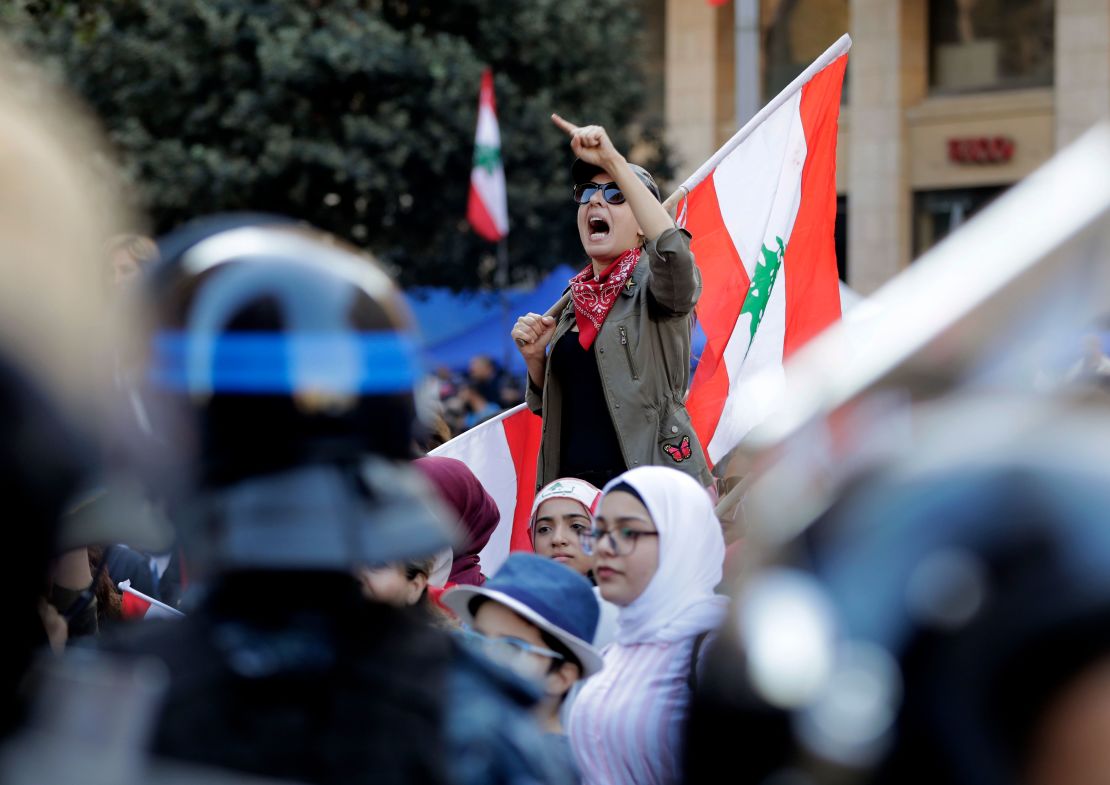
627,722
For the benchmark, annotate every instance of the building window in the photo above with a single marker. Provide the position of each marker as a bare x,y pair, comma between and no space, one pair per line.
939,213
990,44
795,33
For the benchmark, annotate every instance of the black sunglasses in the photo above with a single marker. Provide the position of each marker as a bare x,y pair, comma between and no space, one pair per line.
610,192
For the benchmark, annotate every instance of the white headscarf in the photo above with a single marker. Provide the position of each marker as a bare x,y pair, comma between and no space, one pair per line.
679,601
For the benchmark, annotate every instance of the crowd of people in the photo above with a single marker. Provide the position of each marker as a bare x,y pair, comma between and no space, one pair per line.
231,561
483,391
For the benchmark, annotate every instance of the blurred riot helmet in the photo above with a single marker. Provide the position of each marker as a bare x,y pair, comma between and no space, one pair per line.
293,359
920,629
288,346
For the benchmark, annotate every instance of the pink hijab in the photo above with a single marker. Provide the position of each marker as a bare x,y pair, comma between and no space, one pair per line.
477,511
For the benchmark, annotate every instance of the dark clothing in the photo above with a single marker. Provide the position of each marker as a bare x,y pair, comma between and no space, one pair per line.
294,675
264,681
643,360
80,621
125,564
590,449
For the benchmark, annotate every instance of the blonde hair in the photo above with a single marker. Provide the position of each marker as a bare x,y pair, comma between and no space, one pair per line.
57,212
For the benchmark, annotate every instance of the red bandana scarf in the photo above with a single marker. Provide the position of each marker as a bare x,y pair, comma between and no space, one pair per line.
594,297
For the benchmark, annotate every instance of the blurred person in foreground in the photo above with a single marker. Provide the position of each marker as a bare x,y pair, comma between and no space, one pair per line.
610,373
537,618
55,338
946,620
57,408
290,360
659,554
1094,366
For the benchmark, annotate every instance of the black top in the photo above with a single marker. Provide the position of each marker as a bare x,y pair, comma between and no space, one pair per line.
590,449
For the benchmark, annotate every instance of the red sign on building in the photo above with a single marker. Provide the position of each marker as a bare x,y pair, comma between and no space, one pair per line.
981,150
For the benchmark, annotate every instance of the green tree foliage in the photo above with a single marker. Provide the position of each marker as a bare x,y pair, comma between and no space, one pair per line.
356,116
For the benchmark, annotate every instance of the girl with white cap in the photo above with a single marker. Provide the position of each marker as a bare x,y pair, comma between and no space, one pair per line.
659,554
561,512
537,619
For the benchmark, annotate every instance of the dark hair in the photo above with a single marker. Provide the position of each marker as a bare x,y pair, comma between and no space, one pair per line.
556,645
416,567
549,640
624,487
475,603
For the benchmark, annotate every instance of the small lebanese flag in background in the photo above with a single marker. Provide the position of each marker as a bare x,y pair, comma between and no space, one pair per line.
487,208
502,452
136,605
762,214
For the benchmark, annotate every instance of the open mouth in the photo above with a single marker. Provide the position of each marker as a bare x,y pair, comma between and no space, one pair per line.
599,228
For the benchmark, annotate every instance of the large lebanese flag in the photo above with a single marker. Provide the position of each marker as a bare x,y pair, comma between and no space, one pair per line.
762,212
487,208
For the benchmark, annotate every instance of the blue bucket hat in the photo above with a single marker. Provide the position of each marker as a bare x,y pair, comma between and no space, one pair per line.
552,596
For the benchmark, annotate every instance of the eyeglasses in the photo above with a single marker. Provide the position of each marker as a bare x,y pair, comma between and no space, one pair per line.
610,192
621,541
511,653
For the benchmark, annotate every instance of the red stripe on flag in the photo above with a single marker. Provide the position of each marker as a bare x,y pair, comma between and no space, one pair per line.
485,92
132,607
724,286
812,284
522,433
479,218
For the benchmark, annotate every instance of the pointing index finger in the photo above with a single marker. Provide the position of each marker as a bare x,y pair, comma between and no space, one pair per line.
569,128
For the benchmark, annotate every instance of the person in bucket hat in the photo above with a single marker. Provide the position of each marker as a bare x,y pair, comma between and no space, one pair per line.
536,617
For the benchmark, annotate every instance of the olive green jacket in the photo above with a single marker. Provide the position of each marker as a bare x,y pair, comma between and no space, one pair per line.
643,356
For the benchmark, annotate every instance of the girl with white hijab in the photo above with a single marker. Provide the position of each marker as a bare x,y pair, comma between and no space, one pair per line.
659,552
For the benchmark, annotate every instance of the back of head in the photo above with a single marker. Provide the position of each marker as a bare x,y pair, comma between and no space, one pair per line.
290,362
283,347
477,512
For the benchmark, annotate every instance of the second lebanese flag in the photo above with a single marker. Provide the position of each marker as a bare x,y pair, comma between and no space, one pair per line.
762,219
502,453
487,208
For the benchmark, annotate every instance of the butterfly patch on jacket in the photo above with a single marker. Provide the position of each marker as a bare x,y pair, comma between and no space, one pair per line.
679,452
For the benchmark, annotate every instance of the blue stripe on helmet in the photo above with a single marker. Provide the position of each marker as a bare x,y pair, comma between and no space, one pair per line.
265,363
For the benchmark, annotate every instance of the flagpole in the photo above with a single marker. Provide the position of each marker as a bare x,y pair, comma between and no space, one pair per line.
501,278
842,45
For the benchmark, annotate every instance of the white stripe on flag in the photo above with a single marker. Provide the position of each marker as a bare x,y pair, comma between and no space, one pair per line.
775,152
485,451
491,185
